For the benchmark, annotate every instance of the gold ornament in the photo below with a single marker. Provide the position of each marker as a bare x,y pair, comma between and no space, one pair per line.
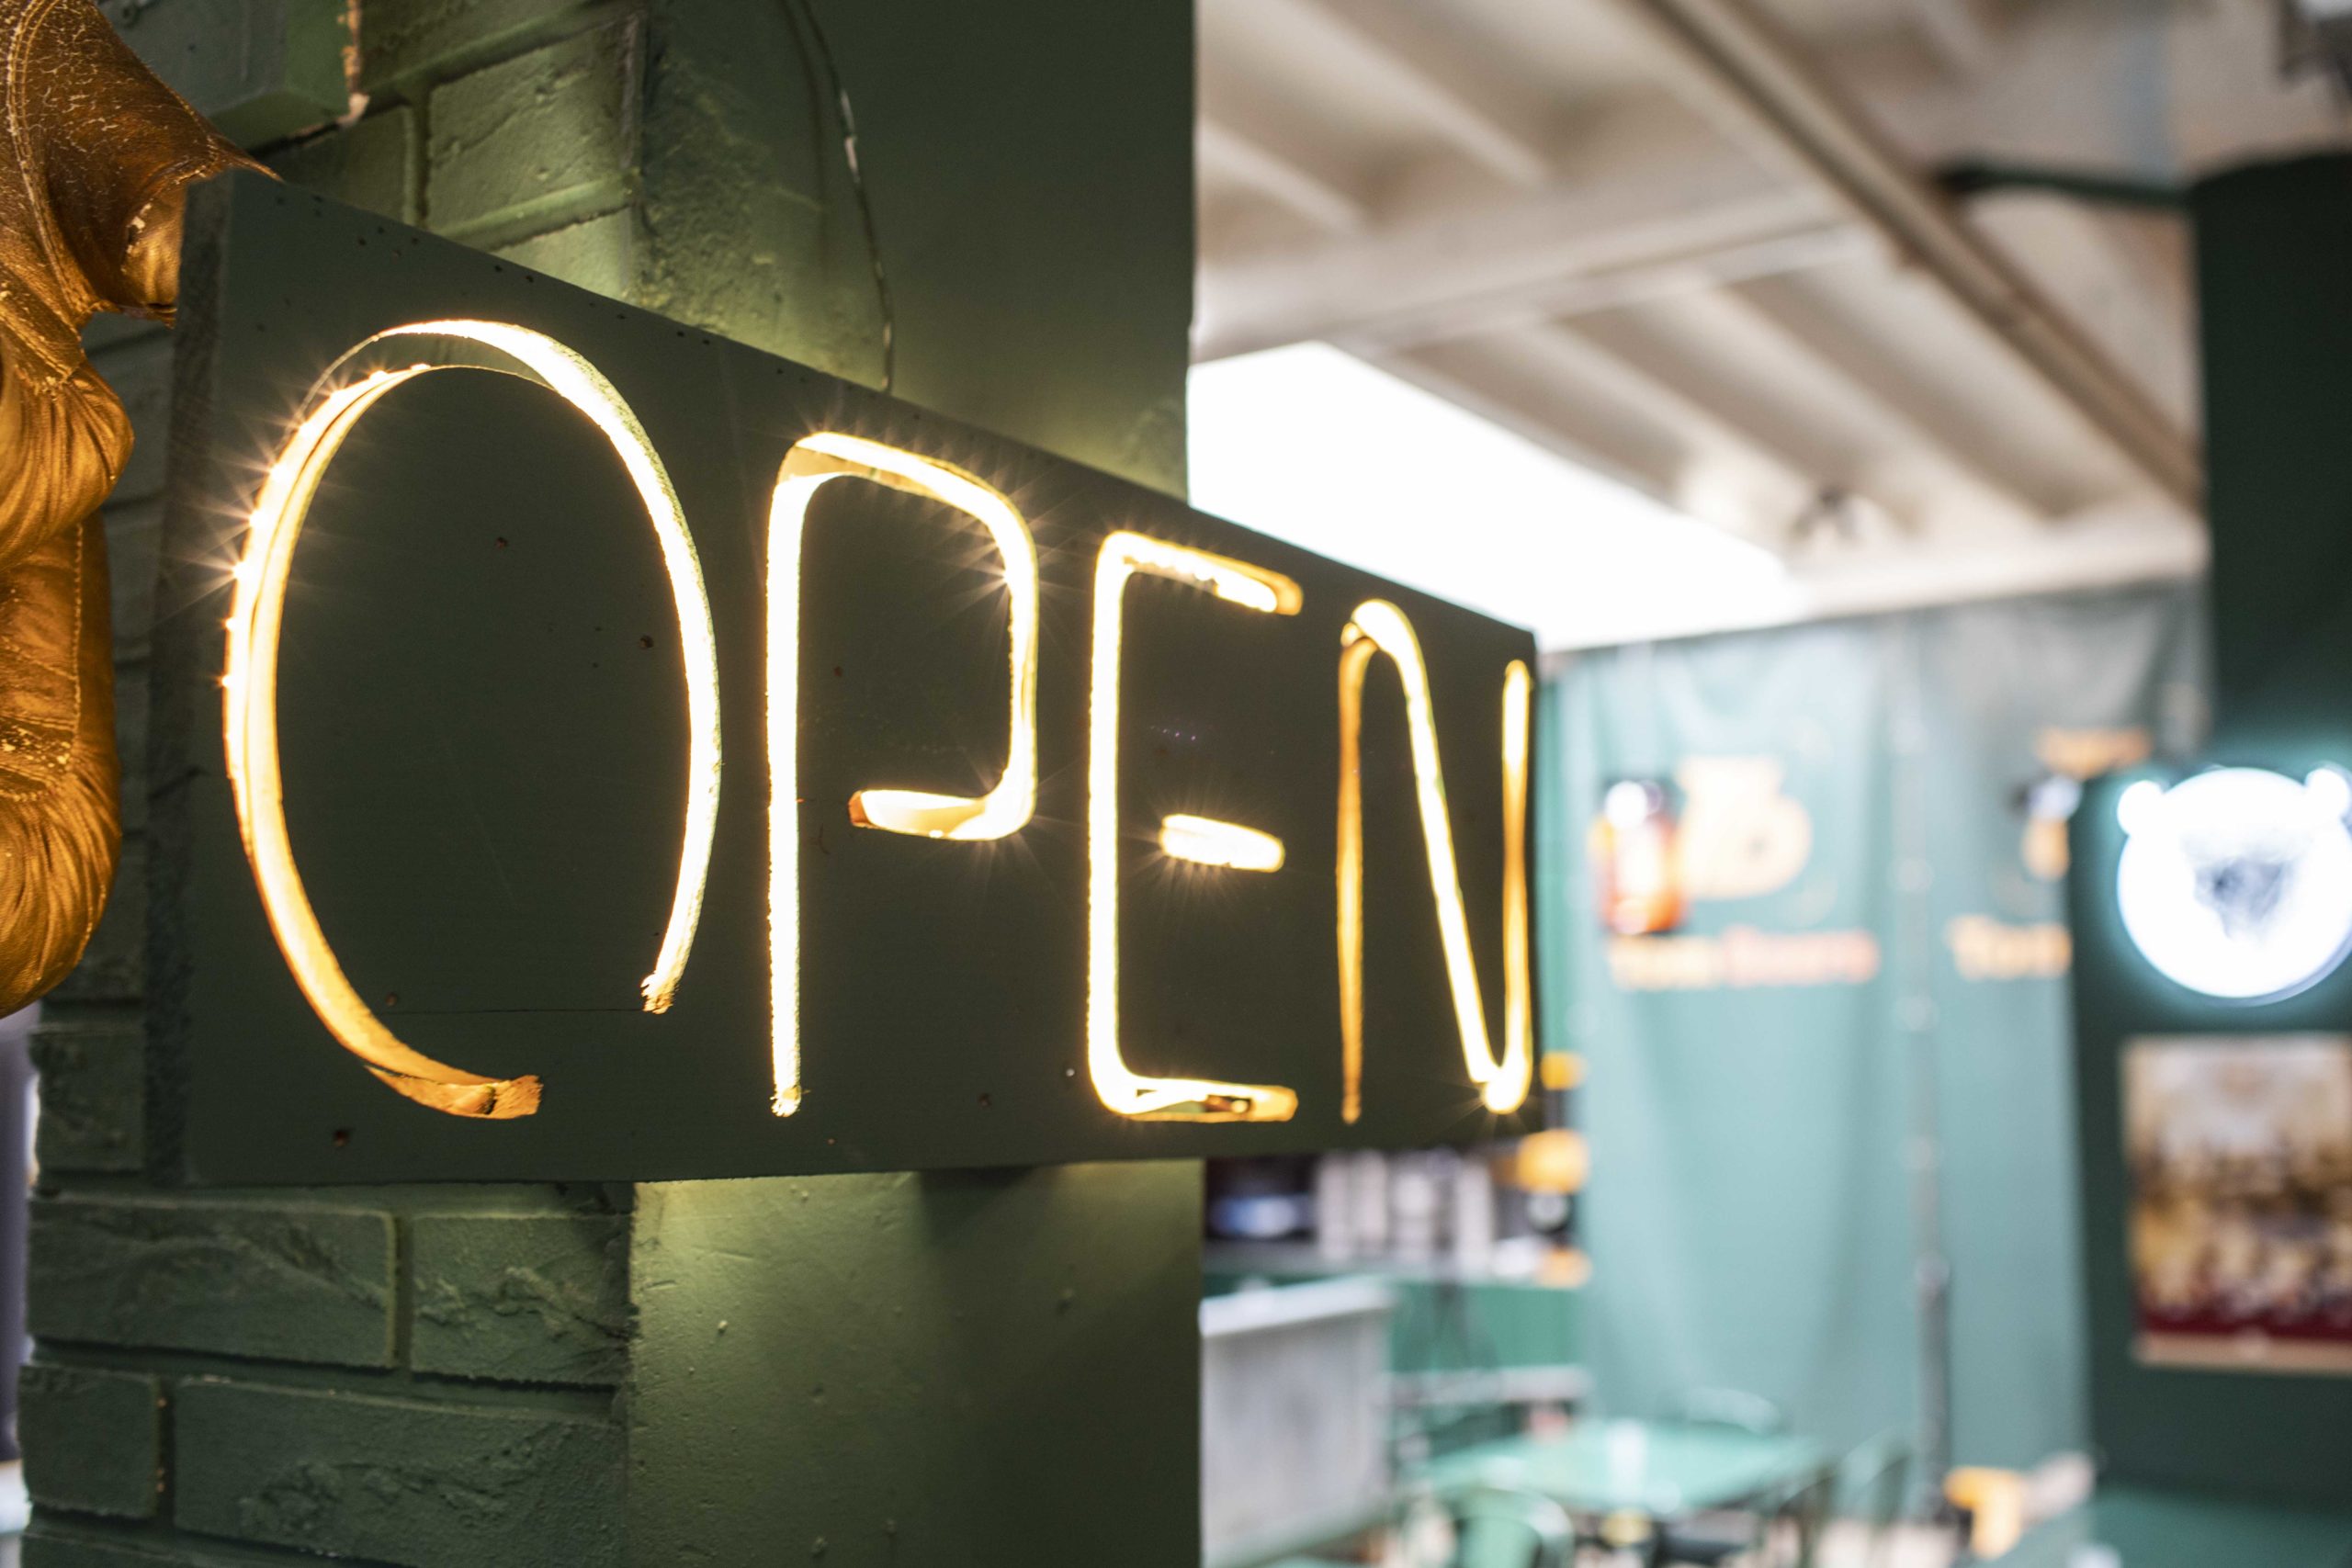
99,157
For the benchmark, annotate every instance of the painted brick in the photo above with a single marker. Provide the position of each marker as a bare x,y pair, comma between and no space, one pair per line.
92,1441
521,1297
396,1481
139,368
114,966
296,1284
134,550
107,332
600,255
93,1096
372,165
47,1545
133,705
261,68
533,142
401,42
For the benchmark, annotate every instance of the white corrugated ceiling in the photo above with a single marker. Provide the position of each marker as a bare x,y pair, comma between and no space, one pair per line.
1698,245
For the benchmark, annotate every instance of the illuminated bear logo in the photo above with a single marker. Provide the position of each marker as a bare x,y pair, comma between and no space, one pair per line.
2237,883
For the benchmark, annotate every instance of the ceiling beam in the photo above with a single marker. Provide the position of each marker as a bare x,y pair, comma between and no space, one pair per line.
1964,34
2125,548
1492,119
2118,296
1729,474
1627,231
1707,250
1800,327
1592,431
1741,66
1284,176
1812,453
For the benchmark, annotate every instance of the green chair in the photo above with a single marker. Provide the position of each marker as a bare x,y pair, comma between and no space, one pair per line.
1799,1520
1720,1535
1871,1487
1703,1540
1494,1528
1783,1528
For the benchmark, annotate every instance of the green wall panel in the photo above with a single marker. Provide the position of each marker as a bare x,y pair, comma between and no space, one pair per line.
991,1369
2262,1434
2274,249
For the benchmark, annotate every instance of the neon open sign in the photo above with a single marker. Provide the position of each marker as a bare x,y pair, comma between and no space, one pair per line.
1238,865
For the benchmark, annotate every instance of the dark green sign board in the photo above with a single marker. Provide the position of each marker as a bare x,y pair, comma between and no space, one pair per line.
588,749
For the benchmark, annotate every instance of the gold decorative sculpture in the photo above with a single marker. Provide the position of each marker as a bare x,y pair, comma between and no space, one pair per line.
99,157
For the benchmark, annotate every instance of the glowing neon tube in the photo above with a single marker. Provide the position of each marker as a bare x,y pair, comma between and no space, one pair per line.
1379,627
812,464
1204,841
250,680
1124,1090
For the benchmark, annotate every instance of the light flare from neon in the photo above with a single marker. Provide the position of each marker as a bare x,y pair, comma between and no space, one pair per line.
1205,840
249,682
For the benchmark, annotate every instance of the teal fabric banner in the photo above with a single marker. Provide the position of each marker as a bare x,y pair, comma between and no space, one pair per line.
1826,1047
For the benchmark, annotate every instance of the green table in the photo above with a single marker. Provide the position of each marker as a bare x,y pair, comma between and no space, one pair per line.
2135,1526
1664,1470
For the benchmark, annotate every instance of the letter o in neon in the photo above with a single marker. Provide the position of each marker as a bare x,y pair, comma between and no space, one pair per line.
351,387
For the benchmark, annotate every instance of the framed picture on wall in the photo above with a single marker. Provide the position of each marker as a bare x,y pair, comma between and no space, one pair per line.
2239,1149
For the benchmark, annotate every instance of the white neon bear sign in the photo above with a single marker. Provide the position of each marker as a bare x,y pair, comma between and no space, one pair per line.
2237,881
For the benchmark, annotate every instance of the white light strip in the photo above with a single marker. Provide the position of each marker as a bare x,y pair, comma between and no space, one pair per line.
1129,1093
1379,627
250,680
812,464
1206,841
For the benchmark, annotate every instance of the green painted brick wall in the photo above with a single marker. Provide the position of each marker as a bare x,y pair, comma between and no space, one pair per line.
140,370
94,1092
263,69
402,1481
272,1281
94,1438
48,1547
114,966
599,254
135,527
405,45
544,138
373,165
521,1297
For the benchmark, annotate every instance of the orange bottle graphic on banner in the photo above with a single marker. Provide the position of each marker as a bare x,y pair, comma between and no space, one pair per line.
1638,870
